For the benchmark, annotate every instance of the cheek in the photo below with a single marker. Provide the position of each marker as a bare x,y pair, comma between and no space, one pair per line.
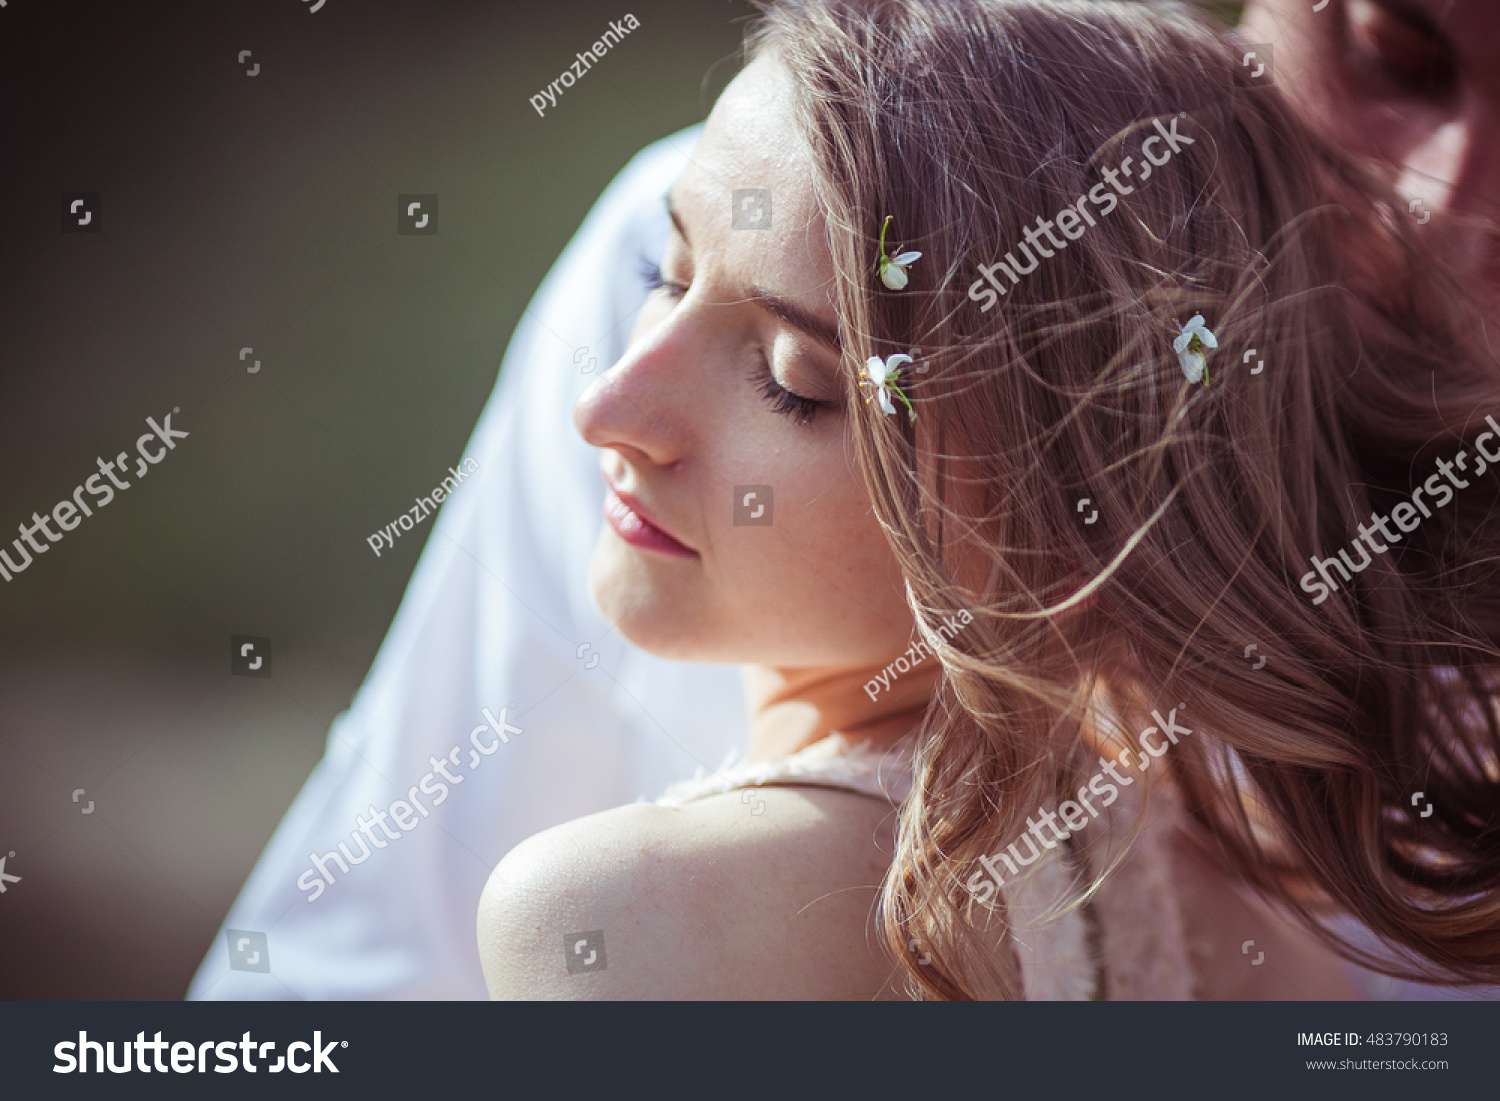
841,535
823,575
799,575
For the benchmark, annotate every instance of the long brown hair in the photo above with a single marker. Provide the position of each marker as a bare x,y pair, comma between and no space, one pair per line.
966,120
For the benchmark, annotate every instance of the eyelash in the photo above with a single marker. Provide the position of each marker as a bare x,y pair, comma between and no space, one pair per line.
781,400
650,273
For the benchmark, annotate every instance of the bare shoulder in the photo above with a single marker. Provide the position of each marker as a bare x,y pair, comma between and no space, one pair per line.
757,893
1241,949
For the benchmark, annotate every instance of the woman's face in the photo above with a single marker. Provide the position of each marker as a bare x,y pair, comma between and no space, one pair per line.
737,528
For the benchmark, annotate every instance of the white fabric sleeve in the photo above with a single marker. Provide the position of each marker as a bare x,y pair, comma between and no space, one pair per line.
496,617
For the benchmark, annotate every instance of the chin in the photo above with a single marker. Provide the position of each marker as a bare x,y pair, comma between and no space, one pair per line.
650,602
669,608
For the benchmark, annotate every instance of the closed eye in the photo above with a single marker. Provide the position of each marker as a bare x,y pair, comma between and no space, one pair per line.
786,402
1401,50
650,274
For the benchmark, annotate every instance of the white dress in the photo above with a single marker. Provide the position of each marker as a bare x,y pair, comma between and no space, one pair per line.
1125,944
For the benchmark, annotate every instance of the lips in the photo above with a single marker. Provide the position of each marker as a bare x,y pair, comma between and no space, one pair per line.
632,524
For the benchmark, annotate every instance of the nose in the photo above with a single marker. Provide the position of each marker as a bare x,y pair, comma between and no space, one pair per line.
1456,172
635,408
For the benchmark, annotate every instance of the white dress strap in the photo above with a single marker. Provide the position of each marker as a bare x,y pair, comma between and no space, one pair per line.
1053,946
1139,910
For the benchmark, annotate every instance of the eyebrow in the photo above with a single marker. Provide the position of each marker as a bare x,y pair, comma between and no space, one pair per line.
805,321
810,324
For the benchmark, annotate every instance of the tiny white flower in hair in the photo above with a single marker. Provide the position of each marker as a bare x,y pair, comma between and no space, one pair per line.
882,375
1189,345
892,269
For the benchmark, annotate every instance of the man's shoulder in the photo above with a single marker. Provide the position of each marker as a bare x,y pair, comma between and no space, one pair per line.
756,893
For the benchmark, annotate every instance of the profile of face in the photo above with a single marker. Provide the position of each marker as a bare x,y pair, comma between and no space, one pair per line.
1414,84
731,384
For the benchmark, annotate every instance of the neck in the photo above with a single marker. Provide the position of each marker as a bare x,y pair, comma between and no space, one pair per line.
791,709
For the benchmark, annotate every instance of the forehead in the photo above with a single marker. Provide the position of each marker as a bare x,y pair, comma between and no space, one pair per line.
752,169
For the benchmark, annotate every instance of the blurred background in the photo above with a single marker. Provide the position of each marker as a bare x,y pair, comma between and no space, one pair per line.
253,211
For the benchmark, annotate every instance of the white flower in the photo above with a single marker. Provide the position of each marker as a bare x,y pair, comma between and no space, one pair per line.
892,269
882,375
1195,336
